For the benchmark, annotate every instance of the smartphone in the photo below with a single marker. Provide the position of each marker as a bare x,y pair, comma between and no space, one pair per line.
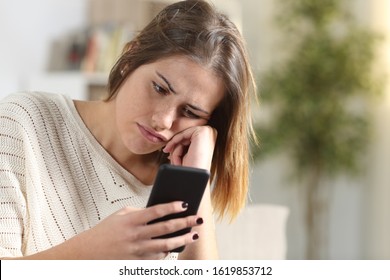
178,183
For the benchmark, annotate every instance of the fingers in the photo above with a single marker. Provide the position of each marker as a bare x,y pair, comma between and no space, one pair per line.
147,234
171,226
177,154
158,211
184,138
181,139
192,147
169,244
126,234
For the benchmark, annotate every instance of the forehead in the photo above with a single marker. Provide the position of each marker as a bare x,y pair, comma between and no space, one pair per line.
178,63
181,69
190,78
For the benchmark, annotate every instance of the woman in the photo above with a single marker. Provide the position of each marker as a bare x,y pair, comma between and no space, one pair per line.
75,175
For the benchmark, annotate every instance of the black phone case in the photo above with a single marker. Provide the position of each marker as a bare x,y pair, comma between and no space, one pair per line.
178,183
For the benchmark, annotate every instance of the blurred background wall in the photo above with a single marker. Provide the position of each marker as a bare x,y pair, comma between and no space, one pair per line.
359,225
28,30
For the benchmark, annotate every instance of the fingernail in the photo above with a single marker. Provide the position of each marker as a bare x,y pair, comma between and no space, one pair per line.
195,236
184,205
199,221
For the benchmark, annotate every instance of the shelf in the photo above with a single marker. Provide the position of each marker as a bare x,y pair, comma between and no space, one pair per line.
77,85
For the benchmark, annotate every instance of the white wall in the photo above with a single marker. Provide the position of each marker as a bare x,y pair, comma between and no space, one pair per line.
28,28
377,202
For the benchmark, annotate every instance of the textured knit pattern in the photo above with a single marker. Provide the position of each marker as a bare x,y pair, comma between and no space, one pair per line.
56,181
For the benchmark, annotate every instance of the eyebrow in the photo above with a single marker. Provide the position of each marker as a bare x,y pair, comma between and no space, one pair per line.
167,82
171,89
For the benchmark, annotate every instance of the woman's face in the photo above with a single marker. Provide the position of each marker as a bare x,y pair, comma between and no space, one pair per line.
163,98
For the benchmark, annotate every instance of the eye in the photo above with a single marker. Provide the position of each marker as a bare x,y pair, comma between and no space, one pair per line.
188,113
159,89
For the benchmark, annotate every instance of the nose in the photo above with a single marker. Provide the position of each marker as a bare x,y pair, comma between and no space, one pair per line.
163,118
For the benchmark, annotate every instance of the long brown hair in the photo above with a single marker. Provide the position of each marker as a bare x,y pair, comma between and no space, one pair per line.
195,29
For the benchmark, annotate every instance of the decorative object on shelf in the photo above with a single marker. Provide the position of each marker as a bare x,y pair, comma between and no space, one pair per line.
95,49
104,45
75,54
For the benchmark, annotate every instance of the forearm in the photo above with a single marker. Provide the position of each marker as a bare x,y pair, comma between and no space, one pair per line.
72,249
126,235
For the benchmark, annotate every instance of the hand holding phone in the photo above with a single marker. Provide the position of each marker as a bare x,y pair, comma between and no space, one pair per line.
178,183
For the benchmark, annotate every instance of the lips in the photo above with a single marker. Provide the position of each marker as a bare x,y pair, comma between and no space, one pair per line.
150,135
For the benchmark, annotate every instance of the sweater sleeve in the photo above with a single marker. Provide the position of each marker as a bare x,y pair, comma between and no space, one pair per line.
12,180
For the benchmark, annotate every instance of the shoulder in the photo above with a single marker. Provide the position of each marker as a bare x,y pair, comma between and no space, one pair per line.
26,109
30,98
28,103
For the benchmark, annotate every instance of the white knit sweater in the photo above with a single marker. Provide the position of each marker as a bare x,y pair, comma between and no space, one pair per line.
56,180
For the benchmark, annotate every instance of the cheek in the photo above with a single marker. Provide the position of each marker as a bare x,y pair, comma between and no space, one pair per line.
131,103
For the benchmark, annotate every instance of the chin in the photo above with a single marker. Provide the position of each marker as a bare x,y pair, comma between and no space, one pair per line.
145,151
